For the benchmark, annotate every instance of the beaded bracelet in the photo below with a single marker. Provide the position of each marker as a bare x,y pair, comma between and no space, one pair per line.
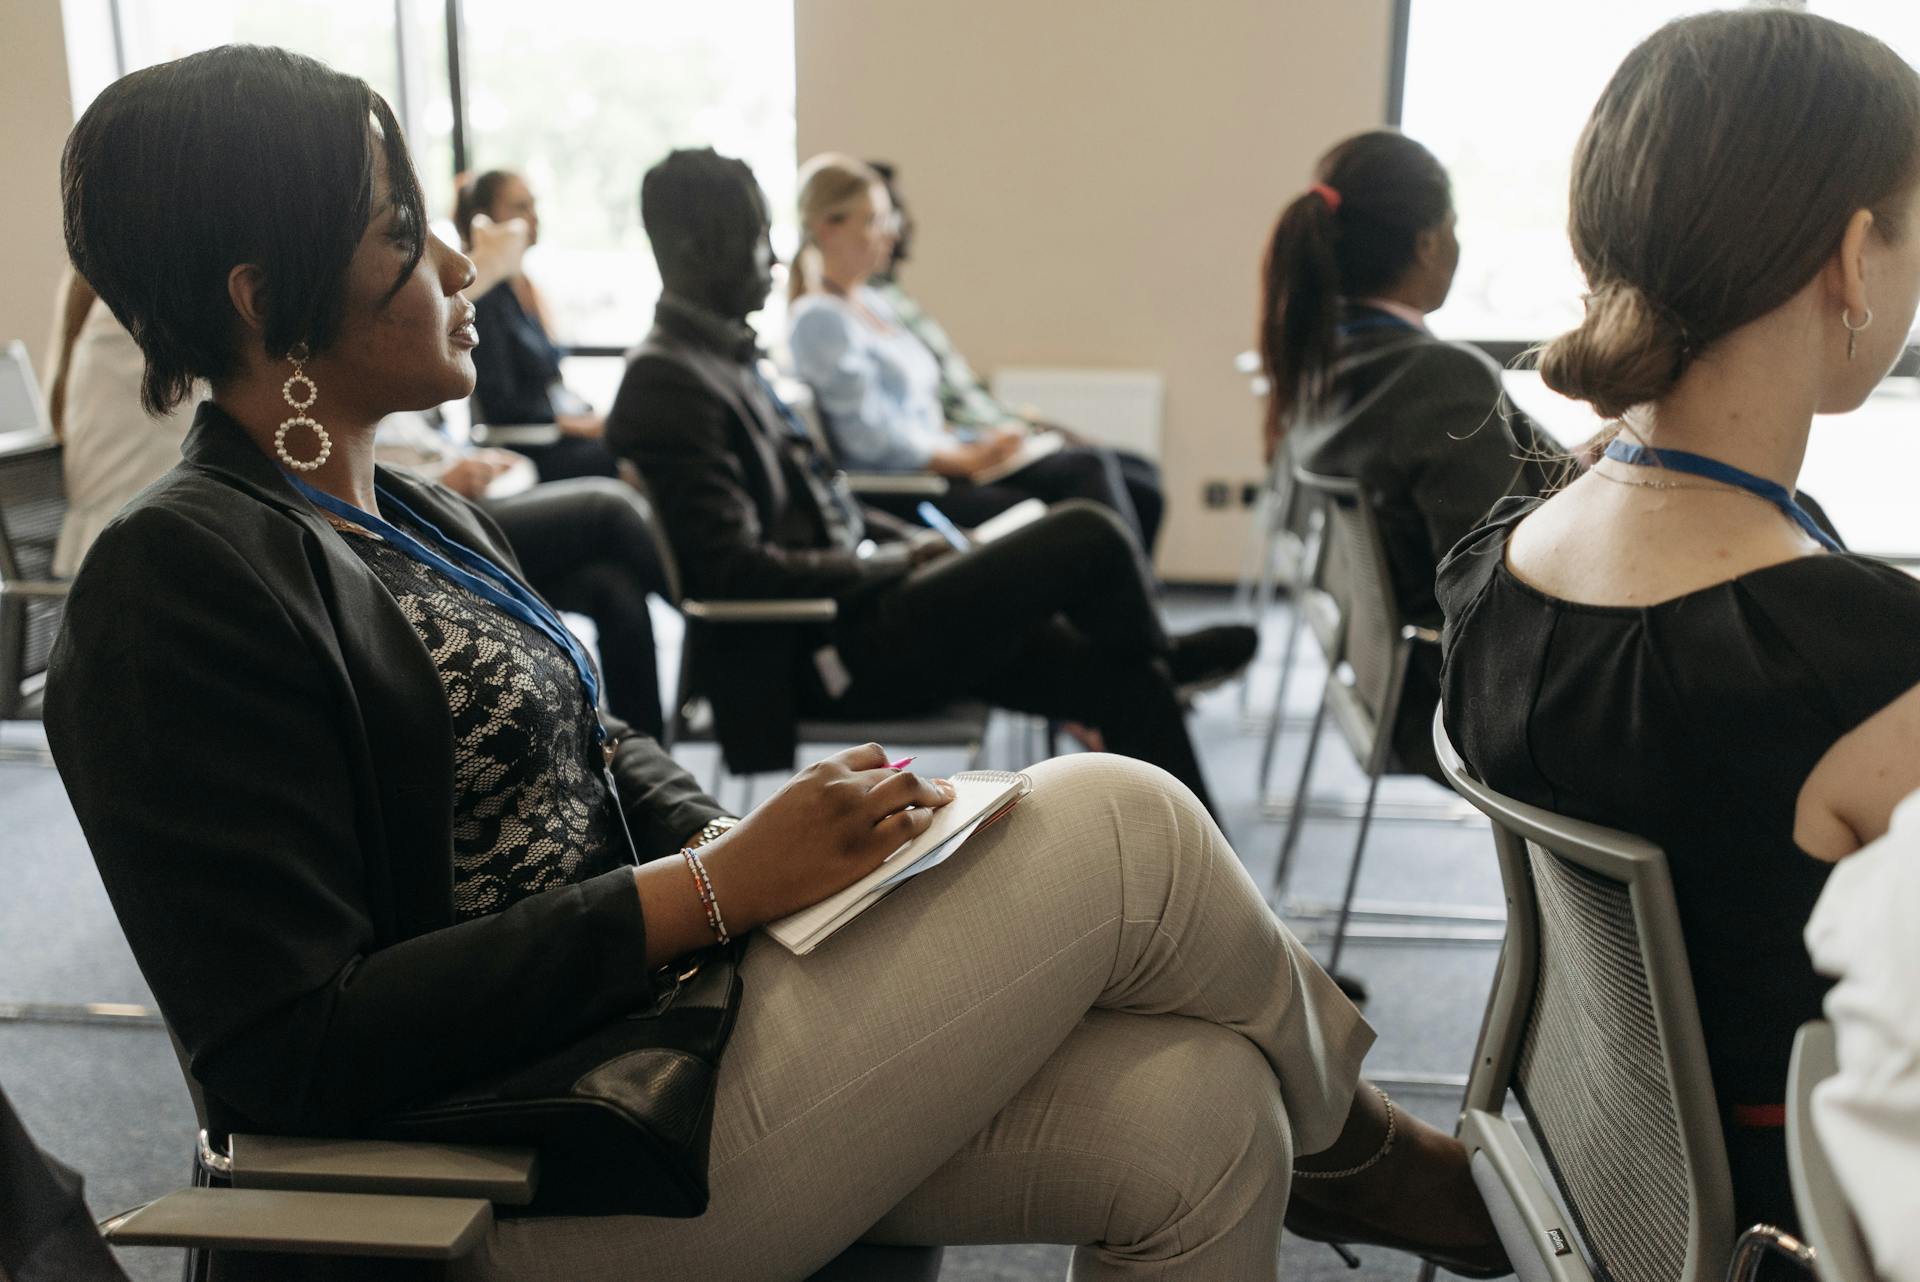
704,885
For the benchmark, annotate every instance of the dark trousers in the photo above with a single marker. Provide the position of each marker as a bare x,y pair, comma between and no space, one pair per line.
1056,619
588,546
1126,483
570,457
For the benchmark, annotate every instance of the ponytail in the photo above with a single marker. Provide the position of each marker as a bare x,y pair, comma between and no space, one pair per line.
1300,300
1353,233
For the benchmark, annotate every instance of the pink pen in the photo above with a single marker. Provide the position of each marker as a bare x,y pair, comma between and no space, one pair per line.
901,764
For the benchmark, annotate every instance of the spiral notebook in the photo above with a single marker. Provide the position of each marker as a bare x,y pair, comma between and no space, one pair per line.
980,797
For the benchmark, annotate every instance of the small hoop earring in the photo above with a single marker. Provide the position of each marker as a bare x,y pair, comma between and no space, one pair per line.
298,355
1853,330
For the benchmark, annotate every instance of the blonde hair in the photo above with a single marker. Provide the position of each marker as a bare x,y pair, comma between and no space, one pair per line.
830,183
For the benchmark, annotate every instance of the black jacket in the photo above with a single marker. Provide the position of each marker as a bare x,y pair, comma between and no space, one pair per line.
514,374
260,754
751,511
1424,425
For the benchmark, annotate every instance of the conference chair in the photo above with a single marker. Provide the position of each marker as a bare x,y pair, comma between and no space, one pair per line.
376,1200
961,724
33,503
1350,608
1614,1167
1831,1245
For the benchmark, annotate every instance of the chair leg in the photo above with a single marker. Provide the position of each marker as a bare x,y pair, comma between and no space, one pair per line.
1762,1240
1353,872
1294,624
1284,868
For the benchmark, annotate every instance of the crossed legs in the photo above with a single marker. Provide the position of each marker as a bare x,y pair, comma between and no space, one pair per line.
1088,1028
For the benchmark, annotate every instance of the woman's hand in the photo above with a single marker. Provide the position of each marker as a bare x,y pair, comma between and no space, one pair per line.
828,827
964,458
832,824
470,475
496,252
591,426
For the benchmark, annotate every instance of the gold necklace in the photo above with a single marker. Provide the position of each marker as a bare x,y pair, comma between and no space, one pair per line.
1675,485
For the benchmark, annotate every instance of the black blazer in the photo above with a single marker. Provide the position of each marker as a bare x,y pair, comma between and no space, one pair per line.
750,512
1425,426
260,753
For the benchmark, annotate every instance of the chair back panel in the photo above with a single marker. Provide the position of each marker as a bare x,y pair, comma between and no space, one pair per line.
1594,1027
1590,1074
1353,571
33,504
1373,620
1826,1219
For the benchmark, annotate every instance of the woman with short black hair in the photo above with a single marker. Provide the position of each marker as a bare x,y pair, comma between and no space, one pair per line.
345,782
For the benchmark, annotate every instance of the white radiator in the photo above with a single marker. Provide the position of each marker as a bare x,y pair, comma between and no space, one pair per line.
1117,407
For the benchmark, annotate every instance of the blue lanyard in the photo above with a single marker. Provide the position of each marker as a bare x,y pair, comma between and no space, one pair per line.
1625,451
475,573
784,410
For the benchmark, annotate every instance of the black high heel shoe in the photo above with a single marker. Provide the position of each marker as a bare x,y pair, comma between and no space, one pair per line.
1317,1221
1483,1260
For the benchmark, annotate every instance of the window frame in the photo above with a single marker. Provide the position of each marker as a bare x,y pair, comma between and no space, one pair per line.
1508,352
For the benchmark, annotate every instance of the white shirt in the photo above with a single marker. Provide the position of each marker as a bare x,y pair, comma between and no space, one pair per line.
1865,931
878,390
110,448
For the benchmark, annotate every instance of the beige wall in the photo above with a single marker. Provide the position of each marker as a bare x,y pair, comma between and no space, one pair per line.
35,114
1093,181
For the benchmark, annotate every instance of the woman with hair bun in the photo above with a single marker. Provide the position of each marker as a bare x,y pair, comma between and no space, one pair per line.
1360,387
1673,644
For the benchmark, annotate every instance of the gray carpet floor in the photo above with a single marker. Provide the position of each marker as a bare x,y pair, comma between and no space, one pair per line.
108,1100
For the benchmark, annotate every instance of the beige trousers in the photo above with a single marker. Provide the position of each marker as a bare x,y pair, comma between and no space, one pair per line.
1085,1028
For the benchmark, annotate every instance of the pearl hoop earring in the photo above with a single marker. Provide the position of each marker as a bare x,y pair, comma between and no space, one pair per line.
1853,330
299,418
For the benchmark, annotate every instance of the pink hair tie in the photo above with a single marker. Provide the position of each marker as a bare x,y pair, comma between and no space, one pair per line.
1327,194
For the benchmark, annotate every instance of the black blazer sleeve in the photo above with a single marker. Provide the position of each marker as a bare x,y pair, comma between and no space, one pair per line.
1464,446
205,723
677,432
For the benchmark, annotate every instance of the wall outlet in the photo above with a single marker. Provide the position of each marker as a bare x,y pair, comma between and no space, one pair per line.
1216,494
1250,493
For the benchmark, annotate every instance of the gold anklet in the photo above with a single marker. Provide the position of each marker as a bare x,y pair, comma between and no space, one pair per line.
1386,1147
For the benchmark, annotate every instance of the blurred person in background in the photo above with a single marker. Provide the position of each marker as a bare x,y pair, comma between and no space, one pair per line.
878,387
519,379
965,397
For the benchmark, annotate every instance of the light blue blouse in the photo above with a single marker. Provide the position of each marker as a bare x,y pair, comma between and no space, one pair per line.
879,394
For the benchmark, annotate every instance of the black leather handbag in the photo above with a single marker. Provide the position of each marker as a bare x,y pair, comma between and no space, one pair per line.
622,1117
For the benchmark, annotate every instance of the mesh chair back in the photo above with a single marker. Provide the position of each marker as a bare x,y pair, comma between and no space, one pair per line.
1594,1028
32,505
1356,575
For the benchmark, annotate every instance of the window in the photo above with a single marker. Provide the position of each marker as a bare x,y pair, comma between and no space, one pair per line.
581,96
583,107
1499,92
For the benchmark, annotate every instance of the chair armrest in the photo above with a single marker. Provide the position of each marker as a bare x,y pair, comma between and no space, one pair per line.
510,434
796,610
507,1176
926,484
364,1224
48,588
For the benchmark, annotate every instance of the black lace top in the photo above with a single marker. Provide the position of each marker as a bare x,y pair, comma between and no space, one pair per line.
530,804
